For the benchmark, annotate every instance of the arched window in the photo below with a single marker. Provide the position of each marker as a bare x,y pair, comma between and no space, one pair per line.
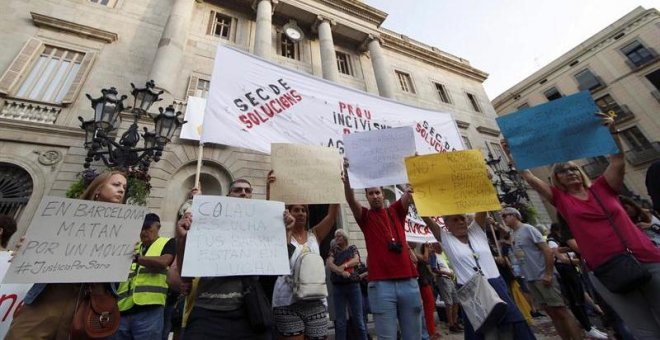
15,189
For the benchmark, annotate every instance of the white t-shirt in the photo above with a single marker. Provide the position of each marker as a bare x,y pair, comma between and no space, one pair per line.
461,257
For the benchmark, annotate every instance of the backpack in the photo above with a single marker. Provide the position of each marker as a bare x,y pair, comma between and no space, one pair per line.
309,277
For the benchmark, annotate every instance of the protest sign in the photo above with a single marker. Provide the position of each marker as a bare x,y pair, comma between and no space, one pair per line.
415,228
255,102
235,236
11,296
306,174
376,157
78,241
194,118
451,183
561,130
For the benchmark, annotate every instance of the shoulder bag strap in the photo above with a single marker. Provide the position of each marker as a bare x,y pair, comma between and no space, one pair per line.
474,255
609,219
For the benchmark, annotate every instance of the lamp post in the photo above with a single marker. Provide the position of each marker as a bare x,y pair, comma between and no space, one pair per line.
125,154
509,185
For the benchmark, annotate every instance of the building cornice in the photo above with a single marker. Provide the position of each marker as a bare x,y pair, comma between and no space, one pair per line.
431,55
357,9
45,21
593,43
488,131
461,124
56,135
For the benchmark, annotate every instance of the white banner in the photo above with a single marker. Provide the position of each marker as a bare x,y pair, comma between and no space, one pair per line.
11,296
236,236
416,229
376,158
194,117
77,241
253,103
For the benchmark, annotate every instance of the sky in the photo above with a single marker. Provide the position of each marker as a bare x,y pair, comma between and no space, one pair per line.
508,39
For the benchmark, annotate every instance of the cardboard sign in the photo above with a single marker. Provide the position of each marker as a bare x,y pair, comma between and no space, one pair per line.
376,157
235,236
451,183
561,130
78,241
11,296
306,174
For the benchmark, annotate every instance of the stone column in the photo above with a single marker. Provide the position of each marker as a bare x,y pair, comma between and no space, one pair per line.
263,35
381,68
169,55
328,56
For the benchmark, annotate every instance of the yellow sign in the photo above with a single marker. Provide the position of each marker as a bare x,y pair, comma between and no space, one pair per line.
451,183
306,174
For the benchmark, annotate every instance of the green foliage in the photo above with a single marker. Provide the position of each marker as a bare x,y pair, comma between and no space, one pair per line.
138,191
528,212
76,188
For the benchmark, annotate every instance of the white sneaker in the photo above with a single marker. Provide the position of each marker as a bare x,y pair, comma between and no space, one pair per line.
594,333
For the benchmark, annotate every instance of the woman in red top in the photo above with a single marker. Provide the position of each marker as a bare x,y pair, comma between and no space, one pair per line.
577,200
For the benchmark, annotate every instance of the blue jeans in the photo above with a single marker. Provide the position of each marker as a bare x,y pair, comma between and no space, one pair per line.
396,300
144,325
348,293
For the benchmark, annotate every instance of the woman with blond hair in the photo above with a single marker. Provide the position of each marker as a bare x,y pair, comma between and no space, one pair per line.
48,309
605,233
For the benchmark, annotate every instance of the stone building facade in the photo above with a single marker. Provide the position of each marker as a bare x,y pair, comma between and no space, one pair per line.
620,66
54,51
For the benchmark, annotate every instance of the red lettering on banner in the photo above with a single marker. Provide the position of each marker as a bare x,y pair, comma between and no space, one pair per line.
270,109
5,297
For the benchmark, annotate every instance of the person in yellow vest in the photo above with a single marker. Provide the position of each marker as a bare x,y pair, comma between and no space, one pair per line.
142,297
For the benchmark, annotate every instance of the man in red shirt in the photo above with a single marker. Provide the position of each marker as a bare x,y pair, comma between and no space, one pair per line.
393,289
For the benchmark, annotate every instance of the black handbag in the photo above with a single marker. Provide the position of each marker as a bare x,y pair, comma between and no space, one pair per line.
621,273
259,310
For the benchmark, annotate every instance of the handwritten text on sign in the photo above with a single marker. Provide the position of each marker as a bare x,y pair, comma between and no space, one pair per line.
306,174
561,130
235,236
376,157
451,183
78,241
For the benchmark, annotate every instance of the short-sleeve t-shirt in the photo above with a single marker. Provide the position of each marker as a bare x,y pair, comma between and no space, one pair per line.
592,230
529,256
461,256
379,228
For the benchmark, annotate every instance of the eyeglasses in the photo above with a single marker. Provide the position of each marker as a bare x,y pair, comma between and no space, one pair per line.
566,170
238,190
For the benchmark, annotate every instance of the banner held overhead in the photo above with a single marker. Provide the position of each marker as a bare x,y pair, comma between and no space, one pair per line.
253,103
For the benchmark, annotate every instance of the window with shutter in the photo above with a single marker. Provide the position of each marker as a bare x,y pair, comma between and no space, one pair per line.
198,87
18,66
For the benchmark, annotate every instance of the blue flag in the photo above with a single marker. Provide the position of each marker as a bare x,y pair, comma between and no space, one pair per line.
561,130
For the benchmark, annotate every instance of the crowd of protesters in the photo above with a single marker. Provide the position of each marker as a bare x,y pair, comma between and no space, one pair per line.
400,283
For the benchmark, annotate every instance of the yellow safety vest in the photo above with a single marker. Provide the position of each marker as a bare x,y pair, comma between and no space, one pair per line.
145,286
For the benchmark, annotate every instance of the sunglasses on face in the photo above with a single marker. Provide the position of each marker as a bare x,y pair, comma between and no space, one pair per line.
238,190
566,170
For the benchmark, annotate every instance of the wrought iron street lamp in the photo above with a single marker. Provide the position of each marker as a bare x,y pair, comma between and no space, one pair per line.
125,154
510,186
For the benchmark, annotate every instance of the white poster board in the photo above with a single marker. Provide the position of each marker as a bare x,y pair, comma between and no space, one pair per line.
253,103
11,296
194,117
235,236
376,158
78,241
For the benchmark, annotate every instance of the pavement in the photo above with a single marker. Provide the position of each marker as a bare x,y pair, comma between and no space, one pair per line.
542,328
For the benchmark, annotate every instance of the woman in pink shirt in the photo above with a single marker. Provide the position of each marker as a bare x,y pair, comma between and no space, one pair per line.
577,199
